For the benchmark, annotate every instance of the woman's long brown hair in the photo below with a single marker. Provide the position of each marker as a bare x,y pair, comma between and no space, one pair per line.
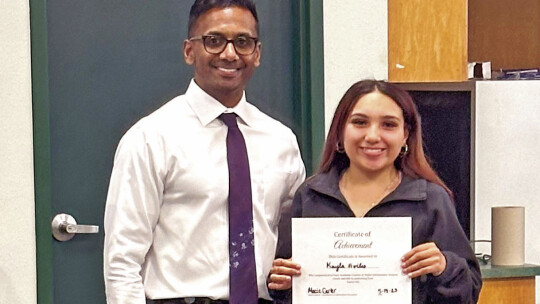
413,163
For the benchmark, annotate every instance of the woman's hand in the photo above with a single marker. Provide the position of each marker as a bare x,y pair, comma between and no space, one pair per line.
423,259
281,274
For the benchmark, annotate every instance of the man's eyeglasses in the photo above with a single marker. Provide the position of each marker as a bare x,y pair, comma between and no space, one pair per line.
215,44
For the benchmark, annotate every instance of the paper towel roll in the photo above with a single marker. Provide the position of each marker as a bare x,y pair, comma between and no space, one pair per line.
507,236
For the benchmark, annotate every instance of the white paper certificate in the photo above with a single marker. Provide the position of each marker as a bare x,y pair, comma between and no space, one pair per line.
351,260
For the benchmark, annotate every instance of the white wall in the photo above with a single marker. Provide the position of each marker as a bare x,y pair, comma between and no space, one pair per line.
508,157
355,47
17,235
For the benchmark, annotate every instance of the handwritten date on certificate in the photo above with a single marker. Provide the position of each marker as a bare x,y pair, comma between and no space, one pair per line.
351,260
383,291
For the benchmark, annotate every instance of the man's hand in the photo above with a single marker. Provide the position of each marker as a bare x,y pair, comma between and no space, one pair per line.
281,274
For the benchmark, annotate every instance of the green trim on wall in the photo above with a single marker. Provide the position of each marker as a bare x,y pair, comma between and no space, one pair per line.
42,168
312,81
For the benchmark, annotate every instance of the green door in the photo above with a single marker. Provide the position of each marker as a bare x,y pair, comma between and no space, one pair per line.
98,67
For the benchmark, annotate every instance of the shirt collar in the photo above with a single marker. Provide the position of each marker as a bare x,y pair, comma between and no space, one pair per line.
207,108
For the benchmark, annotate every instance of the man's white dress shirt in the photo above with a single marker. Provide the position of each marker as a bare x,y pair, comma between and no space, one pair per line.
166,218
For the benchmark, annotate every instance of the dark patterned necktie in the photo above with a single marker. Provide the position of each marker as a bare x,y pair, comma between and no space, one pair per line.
242,271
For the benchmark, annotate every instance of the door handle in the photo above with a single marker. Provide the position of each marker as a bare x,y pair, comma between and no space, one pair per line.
64,227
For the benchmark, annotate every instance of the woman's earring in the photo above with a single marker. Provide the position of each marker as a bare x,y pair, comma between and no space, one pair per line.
339,148
404,150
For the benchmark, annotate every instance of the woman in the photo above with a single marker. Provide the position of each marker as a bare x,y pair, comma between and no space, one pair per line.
374,165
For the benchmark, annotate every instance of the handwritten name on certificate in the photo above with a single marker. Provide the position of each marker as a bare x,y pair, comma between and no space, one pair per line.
351,260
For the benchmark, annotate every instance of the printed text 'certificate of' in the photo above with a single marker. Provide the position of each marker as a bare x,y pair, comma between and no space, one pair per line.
351,260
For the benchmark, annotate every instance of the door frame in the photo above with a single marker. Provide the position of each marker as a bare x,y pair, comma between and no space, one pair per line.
309,74
42,155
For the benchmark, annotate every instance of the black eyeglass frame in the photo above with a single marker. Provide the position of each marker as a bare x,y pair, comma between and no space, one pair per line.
227,41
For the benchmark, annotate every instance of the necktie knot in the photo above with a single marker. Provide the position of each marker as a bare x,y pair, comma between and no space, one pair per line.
229,119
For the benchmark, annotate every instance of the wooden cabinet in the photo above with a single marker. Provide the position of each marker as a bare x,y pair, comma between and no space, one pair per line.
427,40
508,284
507,33
432,41
508,291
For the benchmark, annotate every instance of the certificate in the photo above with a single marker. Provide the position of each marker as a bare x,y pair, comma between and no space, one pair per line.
351,260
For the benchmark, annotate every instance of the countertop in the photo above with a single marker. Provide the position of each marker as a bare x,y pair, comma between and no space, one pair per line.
491,271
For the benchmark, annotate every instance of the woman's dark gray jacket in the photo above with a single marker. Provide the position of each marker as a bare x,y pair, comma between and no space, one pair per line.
433,220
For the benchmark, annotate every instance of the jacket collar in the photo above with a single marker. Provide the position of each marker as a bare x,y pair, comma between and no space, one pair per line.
410,188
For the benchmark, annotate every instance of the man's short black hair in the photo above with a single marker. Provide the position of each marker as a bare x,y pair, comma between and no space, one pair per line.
201,6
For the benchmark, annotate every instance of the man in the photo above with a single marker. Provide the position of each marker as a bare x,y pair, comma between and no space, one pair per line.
175,178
